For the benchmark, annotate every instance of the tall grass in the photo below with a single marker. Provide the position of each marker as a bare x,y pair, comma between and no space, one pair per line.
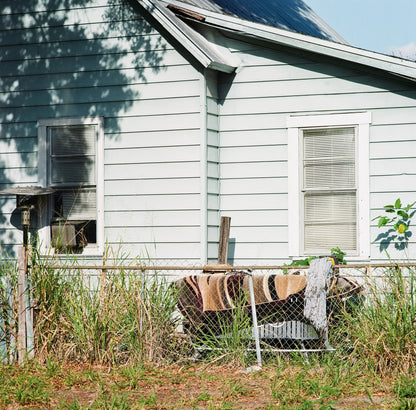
382,331
8,310
225,337
116,316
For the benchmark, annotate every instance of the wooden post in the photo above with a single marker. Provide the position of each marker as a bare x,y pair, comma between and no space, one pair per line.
224,239
22,268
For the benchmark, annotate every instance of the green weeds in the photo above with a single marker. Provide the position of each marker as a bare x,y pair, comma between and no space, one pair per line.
117,317
382,332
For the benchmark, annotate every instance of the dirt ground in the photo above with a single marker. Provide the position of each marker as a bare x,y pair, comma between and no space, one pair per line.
195,387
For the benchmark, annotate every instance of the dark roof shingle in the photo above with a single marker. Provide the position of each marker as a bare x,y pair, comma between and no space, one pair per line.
293,15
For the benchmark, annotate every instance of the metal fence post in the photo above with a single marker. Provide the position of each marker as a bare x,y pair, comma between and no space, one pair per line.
254,315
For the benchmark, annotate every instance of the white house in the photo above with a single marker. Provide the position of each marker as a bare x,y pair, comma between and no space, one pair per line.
152,119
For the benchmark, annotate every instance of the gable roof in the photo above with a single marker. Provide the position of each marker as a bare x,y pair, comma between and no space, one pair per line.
173,14
292,15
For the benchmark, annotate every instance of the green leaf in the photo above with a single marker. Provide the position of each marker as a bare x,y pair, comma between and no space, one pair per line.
398,203
403,214
389,206
407,209
383,221
390,210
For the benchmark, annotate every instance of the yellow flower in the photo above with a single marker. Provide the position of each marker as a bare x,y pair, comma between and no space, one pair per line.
402,228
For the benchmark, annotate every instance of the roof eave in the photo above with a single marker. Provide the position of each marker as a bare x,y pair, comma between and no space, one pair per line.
196,44
390,64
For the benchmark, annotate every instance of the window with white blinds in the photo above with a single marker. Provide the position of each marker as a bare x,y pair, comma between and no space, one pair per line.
329,184
329,189
73,171
70,158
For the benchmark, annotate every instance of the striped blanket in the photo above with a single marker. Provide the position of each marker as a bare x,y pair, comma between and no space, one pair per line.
277,297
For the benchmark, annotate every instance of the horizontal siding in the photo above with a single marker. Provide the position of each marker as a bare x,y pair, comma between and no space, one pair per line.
127,155
144,139
146,95
151,170
153,186
393,166
159,202
145,218
162,254
104,59
83,79
271,86
89,13
153,234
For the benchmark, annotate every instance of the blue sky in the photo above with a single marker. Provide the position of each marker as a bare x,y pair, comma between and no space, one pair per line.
385,26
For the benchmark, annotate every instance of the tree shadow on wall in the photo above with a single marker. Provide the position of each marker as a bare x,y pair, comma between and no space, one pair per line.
392,238
66,58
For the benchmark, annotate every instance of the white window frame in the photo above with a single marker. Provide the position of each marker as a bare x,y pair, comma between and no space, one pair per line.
296,124
43,159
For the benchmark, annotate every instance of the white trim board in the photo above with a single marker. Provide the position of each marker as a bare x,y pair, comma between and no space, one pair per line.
295,125
43,149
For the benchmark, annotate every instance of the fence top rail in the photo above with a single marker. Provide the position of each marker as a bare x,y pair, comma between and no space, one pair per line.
233,268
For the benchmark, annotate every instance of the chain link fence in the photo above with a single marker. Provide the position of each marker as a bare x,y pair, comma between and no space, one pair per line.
259,308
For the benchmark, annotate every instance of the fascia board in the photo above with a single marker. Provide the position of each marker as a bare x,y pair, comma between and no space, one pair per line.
196,44
393,65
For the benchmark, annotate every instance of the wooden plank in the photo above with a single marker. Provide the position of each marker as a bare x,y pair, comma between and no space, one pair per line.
152,170
71,63
399,182
388,196
142,94
153,234
257,202
76,16
18,160
264,234
270,71
257,122
18,176
167,253
153,186
397,132
254,154
152,154
393,166
294,104
248,138
120,76
397,149
71,32
83,46
139,123
315,86
174,138
213,202
224,239
393,115
213,170
22,269
213,186
247,253
152,202
254,186
143,218
213,154
254,170
258,219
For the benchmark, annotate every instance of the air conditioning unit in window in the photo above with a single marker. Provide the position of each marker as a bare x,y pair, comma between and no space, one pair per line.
64,235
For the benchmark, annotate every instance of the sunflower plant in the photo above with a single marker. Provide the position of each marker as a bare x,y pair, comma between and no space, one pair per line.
399,215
